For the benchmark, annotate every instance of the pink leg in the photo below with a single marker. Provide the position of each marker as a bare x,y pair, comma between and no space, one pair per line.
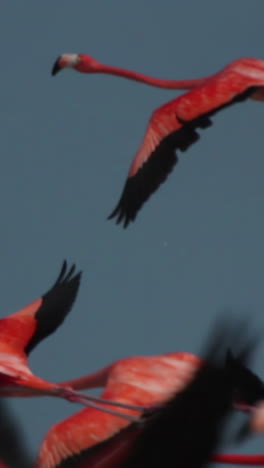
89,401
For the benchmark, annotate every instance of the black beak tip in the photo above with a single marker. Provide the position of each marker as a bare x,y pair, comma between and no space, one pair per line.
56,67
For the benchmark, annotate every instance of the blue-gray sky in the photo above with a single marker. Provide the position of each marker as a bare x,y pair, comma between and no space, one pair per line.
66,146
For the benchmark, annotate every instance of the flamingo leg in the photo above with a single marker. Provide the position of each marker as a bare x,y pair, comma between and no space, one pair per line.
90,401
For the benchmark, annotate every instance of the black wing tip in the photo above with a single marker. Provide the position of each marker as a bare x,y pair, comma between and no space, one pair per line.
145,182
56,67
66,275
67,280
56,304
129,203
233,333
121,216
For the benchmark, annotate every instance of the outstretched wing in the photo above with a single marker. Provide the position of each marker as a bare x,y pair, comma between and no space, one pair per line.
172,127
248,387
55,305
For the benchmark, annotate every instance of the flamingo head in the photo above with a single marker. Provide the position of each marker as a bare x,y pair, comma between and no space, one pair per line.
81,62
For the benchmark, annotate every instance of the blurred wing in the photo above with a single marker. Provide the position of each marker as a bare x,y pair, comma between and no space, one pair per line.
184,432
89,435
187,430
13,452
248,387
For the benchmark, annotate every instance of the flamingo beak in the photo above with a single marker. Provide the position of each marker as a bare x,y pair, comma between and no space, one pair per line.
56,67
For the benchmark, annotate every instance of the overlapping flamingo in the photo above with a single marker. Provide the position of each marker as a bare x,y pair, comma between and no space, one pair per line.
188,398
174,125
141,381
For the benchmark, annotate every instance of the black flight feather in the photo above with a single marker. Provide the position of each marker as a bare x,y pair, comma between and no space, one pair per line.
56,305
158,166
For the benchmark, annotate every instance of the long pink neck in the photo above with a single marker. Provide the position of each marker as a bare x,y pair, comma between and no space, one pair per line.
237,459
96,380
132,75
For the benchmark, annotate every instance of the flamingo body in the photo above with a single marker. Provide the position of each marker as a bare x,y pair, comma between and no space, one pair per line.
94,439
173,126
189,397
143,381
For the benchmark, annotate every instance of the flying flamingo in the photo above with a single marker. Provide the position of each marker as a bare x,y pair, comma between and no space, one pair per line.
95,439
187,430
142,381
22,331
173,126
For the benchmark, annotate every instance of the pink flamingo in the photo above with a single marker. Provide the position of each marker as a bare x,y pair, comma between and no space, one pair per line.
23,330
92,438
173,126
140,381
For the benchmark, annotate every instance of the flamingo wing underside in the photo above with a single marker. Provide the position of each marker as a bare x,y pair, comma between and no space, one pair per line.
155,170
106,454
152,174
